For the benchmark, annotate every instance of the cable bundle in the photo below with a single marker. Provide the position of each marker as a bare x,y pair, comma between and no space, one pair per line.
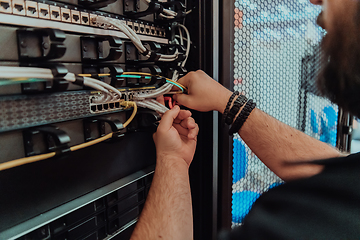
109,92
106,23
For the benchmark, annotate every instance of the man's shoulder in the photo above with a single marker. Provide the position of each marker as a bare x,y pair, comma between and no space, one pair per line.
324,206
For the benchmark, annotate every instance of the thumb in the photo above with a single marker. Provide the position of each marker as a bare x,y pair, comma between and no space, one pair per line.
182,99
168,118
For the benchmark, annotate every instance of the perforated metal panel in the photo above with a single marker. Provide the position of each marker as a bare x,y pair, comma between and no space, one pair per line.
276,62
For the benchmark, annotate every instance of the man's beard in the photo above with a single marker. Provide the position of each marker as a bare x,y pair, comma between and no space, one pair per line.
339,79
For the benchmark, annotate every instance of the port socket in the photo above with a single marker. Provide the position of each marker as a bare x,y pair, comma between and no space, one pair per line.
55,13
106,106
18,7
5,6
65,15
117,105
130,24
136,28
85,19
142,28
147,30
99,107
92,16
153,30
31,9
44,11
111,105
93,108
75,17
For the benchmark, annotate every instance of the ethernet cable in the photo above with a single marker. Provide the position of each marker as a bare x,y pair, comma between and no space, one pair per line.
152,104
138,75
44,73
188,44
27,160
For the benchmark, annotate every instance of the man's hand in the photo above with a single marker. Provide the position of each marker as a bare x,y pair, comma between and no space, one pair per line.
204,93
176,136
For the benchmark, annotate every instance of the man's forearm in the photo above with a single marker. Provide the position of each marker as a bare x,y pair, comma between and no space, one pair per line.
282,148
167,213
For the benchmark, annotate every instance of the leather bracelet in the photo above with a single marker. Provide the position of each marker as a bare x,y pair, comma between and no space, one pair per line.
226,111
244,114
239,102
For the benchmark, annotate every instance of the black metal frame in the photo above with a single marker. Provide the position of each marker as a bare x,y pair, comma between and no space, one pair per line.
202,172
225,142
211,170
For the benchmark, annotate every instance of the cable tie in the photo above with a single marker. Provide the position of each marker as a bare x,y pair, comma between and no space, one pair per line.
154,57
146,52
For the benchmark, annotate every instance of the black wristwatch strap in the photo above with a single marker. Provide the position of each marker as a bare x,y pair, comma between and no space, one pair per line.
239,102
244,114
226,111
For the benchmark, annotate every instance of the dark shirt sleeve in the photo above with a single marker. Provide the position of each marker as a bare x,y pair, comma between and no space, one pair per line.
326,206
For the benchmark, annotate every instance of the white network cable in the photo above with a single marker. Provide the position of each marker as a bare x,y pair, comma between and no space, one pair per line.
152,104
106,22
143,97
188,42
111,93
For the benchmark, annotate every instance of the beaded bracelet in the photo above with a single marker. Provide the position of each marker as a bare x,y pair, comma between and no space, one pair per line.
226,111
239,102
244,114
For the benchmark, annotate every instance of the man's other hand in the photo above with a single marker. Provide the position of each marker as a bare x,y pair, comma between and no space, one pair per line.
204,93
176,136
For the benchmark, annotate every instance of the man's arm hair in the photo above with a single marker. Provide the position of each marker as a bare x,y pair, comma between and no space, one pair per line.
167,213
285,150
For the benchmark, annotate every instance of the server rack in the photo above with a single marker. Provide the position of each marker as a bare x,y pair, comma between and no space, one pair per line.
96,192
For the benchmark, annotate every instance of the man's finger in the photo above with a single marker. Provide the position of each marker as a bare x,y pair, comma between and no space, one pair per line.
183,99
168,118
193,132
188,123
185,80
182,131
183,114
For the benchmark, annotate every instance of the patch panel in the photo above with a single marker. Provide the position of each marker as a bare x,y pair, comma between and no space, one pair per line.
5,6
31,9
65,15
61,12
18,7
75,17
44,11
70,105
105,107
55,13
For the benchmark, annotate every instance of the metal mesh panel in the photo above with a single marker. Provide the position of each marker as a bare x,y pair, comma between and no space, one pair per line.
276,62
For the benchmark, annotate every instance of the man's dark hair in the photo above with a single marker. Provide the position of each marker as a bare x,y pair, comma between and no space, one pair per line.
340,77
